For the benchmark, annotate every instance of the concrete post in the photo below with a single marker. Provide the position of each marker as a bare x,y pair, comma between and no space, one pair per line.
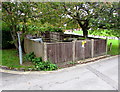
92,48
83,48
106,46
45,52
74,50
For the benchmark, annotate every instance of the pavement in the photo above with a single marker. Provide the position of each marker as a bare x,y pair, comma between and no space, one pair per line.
98,75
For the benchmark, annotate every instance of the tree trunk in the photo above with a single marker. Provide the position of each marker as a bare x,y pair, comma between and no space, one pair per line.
85,33
84,28
22,45
14,37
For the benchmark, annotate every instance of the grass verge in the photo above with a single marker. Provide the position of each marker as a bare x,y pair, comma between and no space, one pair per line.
114,48
10,58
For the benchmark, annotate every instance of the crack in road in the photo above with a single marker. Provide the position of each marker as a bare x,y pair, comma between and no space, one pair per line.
51,84
35,86
105,78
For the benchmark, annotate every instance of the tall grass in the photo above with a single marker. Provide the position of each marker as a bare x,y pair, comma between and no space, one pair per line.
115,47
10,58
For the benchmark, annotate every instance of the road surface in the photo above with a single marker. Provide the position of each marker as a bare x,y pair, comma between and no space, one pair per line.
100,75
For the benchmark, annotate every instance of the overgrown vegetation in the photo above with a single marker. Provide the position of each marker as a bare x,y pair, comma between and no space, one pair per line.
104,32
51,29
10,59
29,57
39,64
72,62
6,36
32,16
100,32
0,57
45,65
34,29
115,47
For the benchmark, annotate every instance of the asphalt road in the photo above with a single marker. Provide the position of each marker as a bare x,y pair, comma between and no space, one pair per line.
100,75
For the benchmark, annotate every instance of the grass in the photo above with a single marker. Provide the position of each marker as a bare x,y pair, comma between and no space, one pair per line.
10,58
78,32
97,32
115,47
0,57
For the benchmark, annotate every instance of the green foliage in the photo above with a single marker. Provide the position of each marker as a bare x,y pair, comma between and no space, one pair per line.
102,32
30,56
72,62
6,36
46,66
39,63
54,29
6,39
17,16
31,16
10,59
115,47
81,38
105,32
5,27
34,29
51,29
36,60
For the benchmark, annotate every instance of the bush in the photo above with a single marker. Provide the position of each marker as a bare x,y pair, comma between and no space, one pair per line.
29,57
39,63
6,39
51,29
46,66
6,36
37,60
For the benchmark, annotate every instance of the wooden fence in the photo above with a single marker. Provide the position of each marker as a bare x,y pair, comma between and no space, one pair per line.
67,51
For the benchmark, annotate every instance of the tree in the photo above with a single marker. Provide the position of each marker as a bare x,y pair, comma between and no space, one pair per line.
23,16
16,15
93,15
81,13
109,18
112,18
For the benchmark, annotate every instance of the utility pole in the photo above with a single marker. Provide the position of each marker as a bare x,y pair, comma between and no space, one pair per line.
20,49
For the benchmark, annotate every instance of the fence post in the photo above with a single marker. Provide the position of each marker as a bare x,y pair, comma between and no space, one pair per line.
92,48
45,51
73,50
106,45
83,49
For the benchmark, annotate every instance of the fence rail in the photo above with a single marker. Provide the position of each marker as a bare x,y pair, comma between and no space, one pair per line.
67,51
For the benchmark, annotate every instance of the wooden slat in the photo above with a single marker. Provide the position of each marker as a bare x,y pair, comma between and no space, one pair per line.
59,52
78,50
88,49
99,47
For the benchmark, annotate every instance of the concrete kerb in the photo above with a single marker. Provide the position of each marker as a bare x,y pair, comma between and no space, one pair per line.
59,70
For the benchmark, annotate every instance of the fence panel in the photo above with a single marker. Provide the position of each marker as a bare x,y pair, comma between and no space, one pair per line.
87,50
79,51
99,47
28,46
60,52
64,51
36,47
